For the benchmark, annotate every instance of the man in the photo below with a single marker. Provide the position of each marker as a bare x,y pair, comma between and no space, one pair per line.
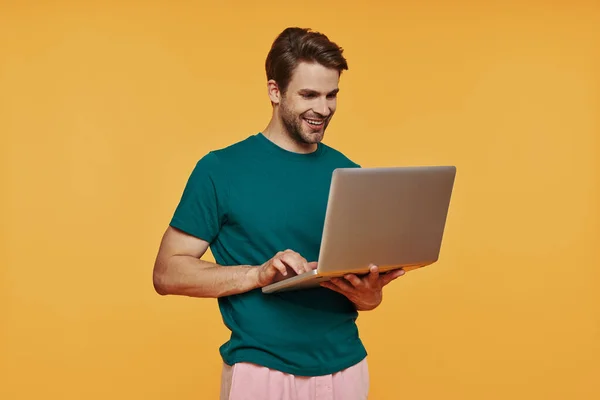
260,205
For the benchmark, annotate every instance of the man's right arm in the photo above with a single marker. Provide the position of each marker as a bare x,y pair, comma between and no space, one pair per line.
178,269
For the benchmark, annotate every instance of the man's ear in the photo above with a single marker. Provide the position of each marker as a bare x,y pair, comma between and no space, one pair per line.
274,93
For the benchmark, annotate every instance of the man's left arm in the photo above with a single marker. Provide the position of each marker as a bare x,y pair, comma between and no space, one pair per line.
367,292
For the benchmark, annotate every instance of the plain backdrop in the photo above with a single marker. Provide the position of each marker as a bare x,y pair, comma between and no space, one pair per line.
105,107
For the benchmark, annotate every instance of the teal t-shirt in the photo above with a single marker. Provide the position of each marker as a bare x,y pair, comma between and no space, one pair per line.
251,200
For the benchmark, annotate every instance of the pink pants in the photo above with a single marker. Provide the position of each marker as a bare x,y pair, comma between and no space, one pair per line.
245,381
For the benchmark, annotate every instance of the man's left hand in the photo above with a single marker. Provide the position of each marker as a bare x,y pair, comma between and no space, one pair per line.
366,292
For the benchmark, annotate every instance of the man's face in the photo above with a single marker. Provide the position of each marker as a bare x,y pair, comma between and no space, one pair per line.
309,103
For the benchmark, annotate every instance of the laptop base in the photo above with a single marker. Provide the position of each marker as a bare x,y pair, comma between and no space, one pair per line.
313,279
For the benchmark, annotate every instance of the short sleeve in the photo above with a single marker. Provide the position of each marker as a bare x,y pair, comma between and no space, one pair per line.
202,208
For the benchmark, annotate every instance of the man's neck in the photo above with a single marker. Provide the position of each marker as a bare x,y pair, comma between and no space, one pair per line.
277,134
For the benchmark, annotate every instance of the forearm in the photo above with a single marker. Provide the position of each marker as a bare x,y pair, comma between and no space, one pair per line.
189,276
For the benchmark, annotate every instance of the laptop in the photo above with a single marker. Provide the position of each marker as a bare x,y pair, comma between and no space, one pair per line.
392,217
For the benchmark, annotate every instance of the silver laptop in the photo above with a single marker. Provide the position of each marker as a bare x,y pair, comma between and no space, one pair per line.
393,217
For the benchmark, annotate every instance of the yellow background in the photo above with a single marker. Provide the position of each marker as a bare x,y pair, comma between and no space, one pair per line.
104,110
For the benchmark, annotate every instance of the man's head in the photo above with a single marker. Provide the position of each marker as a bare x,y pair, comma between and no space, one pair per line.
303,69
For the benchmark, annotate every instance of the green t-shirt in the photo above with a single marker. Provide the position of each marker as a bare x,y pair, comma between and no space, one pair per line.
251,200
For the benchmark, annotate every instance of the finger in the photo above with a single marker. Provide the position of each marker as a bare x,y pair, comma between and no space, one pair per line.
373,275
331,286
342,284
312,265
355,281
301,262
390,276
295,262
280,266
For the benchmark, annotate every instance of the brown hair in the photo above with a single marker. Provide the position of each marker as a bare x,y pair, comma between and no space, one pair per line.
294,45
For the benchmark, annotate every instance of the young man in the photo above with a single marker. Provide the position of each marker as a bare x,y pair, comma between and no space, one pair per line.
260,205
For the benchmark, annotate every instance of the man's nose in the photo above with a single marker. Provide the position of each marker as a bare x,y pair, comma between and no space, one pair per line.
323,108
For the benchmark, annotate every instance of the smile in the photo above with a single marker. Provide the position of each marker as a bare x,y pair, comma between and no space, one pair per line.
314,122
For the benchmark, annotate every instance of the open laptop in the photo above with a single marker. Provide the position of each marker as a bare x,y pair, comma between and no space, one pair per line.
392,217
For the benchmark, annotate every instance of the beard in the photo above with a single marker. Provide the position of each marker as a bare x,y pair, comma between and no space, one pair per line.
298,129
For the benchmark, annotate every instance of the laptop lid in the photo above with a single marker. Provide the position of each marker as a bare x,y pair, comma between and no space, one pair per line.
391,217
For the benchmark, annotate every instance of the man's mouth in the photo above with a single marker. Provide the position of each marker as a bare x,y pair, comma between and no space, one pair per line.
314,123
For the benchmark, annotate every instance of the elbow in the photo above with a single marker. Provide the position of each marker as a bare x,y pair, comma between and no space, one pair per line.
159,286
160,283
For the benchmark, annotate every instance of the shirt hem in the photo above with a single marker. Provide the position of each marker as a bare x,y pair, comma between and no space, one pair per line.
318,371
180,225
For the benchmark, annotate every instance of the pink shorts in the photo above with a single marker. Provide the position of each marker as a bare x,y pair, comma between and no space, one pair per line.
245,381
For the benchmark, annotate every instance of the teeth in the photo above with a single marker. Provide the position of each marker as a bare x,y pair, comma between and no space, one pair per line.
313,122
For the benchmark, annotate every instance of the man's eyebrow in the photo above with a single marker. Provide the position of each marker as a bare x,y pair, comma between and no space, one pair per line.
308,91
311,91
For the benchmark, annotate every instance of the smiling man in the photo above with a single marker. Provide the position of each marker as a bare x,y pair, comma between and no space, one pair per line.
260,204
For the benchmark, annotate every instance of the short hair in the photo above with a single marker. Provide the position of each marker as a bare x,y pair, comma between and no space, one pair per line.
295,45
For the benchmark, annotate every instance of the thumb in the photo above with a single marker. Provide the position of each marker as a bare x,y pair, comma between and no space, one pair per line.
373,274
312,265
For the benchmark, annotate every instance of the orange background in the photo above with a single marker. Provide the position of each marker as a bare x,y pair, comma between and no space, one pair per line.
104,110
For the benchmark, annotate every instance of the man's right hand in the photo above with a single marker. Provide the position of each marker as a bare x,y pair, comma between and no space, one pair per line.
283,264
